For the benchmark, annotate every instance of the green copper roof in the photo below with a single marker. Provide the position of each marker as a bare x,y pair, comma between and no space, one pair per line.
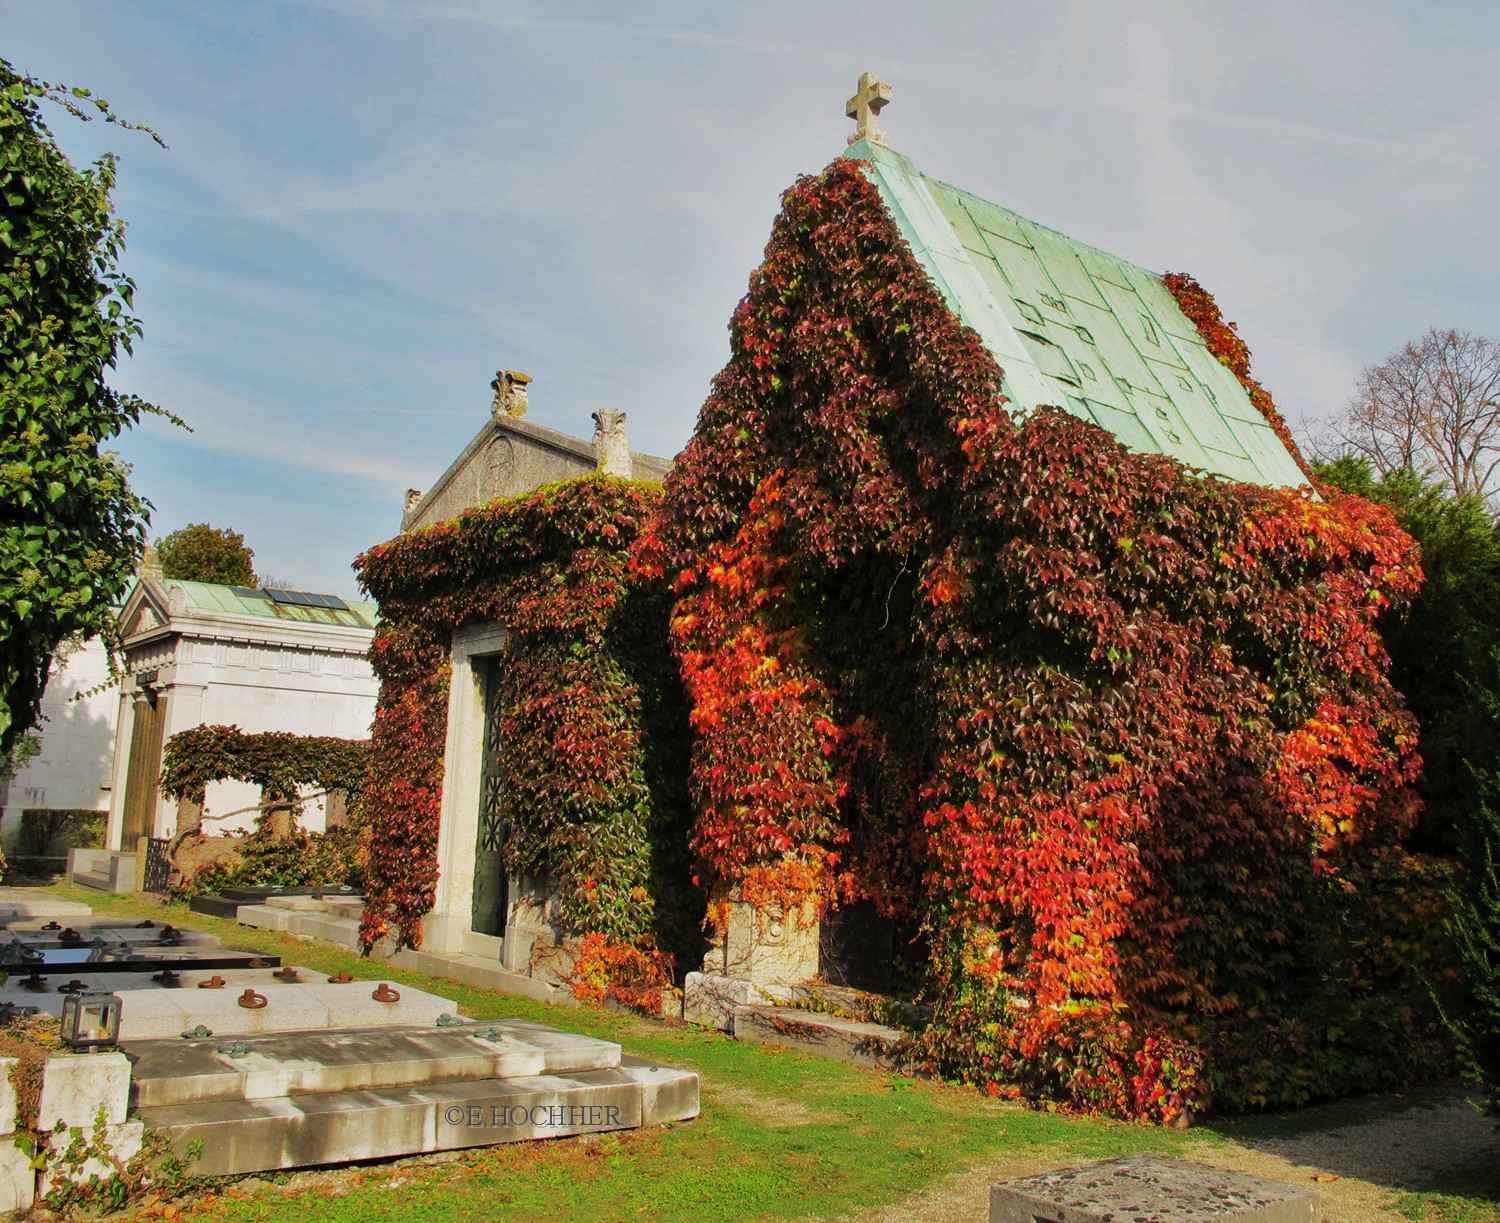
1080,329
274,605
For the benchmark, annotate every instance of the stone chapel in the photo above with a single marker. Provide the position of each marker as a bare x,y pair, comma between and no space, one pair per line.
1070,325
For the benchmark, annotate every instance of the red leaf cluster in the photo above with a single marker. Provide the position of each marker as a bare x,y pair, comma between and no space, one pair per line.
1118,732
593,734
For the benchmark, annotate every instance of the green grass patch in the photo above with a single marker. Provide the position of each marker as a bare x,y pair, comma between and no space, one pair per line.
1443,1208
782,1135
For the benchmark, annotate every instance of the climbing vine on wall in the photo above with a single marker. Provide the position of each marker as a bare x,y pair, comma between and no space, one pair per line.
1118,733
284,766
279,763
593,728
1224,342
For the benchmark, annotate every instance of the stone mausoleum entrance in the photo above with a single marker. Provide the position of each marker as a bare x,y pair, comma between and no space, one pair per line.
478,909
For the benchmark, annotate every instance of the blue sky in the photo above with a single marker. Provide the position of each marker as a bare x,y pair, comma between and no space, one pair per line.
369,206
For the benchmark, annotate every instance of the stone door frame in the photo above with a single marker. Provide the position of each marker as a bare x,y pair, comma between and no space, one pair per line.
448,929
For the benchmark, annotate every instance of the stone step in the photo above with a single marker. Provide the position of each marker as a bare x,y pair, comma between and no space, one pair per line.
487,974
176,1072
26,904
850,1003
21,904
302,922
331,906
305,1130
149,1011
261,895
843,1040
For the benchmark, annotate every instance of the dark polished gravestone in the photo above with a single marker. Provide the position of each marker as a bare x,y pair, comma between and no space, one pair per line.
1151,1189
226,903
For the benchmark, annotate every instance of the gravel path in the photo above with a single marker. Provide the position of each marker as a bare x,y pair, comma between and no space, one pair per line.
1362,1155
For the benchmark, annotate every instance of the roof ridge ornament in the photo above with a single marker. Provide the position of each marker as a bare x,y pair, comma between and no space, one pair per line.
870,96
611,447
510,387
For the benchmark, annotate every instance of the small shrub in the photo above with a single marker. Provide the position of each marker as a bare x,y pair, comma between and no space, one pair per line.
41,826
303,859
631,975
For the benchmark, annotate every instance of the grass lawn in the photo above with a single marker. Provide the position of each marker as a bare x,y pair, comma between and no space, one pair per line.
782,1135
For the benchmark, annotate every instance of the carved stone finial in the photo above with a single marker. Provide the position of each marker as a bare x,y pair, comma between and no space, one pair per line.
611,446
413,498
510,394
865,106
149,569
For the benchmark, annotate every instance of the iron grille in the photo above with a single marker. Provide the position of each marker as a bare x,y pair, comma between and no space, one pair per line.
158,869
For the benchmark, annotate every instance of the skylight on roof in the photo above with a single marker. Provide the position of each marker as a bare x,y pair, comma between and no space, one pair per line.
302,598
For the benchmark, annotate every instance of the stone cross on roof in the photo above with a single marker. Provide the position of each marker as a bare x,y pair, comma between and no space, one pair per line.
864,108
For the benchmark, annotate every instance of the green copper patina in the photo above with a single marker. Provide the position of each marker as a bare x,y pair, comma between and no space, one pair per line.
1080,329
280,605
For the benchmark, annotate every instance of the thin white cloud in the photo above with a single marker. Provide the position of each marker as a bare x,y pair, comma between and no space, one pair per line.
239,427
489,19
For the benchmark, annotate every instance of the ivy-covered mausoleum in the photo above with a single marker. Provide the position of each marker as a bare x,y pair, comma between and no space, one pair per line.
988,643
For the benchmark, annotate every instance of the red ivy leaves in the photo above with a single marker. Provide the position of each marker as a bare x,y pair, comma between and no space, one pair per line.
1223,340
588,746
1119,724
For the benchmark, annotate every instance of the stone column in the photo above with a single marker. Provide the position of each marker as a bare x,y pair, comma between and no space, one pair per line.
125,727
183,711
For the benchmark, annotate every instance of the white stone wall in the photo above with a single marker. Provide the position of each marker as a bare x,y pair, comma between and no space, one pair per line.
263,687
296,677
78,744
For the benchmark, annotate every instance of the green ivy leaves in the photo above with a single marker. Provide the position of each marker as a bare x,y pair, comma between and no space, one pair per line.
73,527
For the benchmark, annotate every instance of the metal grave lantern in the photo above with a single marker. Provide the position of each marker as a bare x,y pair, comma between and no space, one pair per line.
90,1021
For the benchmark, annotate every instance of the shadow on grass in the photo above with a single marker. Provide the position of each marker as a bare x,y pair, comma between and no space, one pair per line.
1429,1140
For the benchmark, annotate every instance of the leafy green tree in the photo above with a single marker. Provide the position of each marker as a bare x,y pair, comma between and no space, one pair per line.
201,553
1441,646
25,749
1445,658
70,526
1474,923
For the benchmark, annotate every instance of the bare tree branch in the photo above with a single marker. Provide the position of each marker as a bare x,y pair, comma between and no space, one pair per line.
1433,407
